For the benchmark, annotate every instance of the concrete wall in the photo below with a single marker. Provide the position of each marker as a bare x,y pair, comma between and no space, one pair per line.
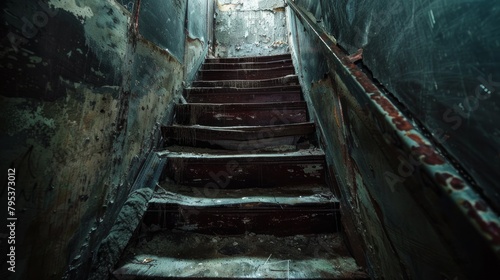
81,104
408,212
250,28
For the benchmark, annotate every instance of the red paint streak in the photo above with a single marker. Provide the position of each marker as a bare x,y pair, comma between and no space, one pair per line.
358,55
136,20
361,77
402,124
490,228
455,183
385,104
429,153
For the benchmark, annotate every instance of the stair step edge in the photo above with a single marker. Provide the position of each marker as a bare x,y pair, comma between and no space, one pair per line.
299,153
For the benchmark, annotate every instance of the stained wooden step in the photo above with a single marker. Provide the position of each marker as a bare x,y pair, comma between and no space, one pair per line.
241,114
249,59
303,209
243,95
184,255
282,81
239,137
244,170
245,74
247,65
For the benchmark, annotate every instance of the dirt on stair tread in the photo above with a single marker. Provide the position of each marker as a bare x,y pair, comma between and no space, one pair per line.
271,149
279,151
313,193
192,255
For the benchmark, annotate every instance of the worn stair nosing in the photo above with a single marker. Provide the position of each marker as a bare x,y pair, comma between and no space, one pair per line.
223,71
246,65
238,133
275,156
239,90
249,106
285,80
249,59
167,197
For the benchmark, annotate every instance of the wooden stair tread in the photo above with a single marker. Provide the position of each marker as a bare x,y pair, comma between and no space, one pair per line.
170,193
181,255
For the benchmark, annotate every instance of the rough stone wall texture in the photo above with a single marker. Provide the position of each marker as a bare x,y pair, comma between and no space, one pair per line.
80,109
250,28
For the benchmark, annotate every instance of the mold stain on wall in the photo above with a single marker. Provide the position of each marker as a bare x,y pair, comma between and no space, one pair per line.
77,127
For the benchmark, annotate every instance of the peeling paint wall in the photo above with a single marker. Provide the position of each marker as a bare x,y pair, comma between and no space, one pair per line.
81,104
160,21
413,228
250,28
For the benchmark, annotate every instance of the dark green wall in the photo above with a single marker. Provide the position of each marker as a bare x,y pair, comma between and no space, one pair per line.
81,102
409,209
440,59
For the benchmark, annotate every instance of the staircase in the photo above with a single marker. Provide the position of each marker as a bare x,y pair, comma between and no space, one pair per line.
243,193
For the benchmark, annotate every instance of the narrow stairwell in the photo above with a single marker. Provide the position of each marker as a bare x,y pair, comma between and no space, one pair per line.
243,193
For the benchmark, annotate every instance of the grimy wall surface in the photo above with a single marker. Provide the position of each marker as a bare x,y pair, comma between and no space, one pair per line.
86,85
415,159
250,28
441,60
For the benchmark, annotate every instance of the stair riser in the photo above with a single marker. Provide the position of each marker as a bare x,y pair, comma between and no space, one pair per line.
243,138
258,65
249,59
243,95
241,91
253,144
244,98
241,173
289,80
249,115
246,218
221,75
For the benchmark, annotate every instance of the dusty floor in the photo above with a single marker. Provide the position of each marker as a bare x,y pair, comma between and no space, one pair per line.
176,253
